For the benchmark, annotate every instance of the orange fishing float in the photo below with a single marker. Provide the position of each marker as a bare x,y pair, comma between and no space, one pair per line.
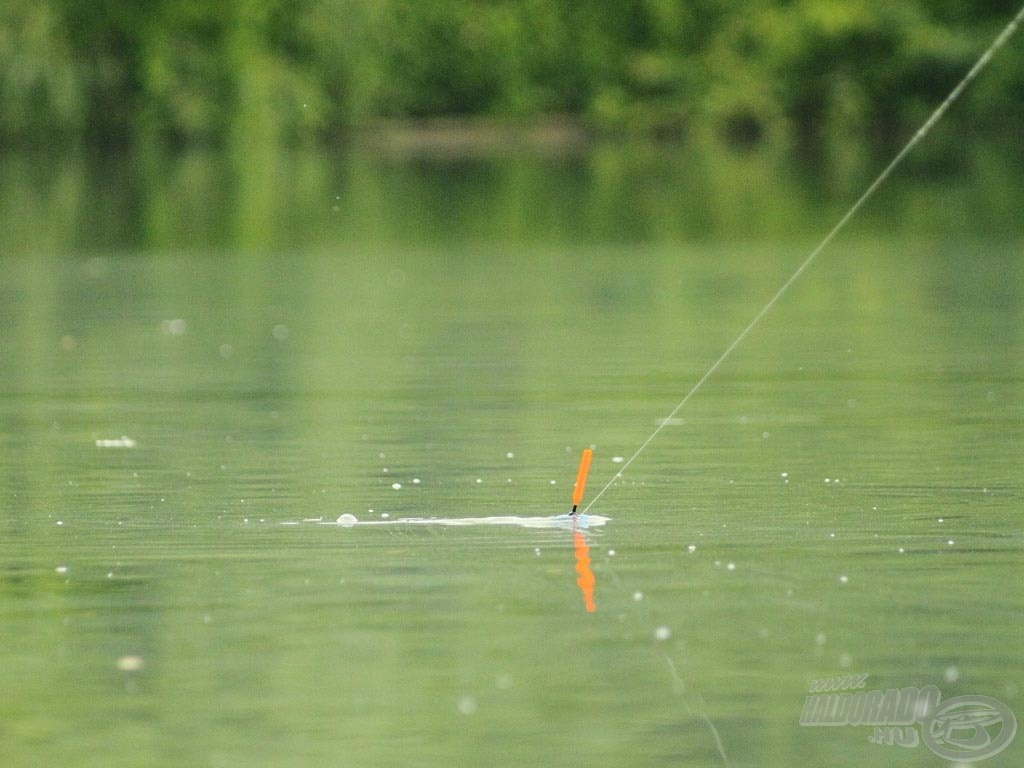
581,479
585,579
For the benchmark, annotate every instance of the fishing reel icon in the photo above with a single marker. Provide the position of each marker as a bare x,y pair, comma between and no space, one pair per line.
969,728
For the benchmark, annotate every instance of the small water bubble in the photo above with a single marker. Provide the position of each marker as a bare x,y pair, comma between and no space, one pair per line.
60,522
226,351
638,596
61,569
617,459
347,520
396,486
844,579
611,553
479,480
942,520
730,567
510,455
662,633
901,550
415,481
384,515
536,551
951,542
466,705
691,548
552,482
175,327
784,475
952,674
130,663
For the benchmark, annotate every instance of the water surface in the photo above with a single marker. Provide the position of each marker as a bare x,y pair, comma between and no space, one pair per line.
292,339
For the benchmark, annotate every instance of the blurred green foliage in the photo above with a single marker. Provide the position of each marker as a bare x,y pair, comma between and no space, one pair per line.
807,72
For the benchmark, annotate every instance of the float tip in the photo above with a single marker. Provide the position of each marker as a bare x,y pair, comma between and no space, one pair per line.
581,479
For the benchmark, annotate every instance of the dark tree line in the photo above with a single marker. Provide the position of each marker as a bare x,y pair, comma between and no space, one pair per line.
191,72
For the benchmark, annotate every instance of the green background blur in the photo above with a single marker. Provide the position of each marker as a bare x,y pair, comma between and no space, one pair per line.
808,73
406,258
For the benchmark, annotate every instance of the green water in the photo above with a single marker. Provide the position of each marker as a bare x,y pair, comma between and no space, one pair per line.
286,339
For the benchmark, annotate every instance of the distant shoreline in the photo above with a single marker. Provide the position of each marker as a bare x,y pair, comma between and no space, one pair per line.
473,136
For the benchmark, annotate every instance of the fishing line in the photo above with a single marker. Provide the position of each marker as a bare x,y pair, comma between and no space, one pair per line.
692,701
923,131
679,688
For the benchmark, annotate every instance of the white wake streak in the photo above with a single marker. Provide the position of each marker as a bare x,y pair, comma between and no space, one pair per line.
551,521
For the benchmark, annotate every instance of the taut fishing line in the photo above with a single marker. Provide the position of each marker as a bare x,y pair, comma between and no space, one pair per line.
923,131
679,687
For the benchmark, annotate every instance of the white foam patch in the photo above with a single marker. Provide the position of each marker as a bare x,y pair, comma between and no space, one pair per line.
552,521
118,442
